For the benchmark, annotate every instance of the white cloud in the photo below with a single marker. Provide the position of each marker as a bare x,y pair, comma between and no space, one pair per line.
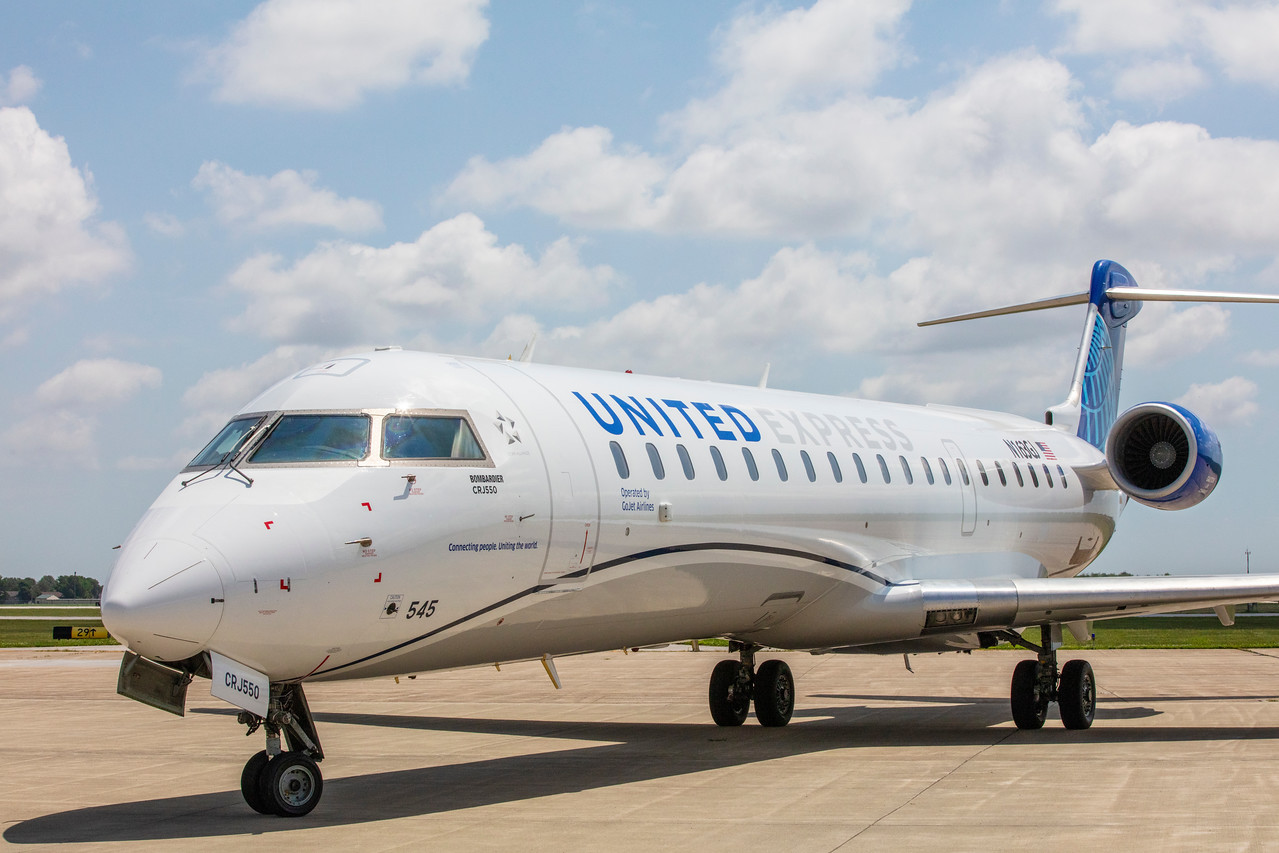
49,239
1160,81
331,54
997,167
1118,26
446,280
773,57
1228,403
1241,38
1244,38
61,422
96,383
1162,334
287,198
1261,358
20,88
574,174
164,224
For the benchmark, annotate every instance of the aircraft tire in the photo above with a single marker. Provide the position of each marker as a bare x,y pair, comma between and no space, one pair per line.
1029,710
1077,695
251,783
291,784
774,693
730,693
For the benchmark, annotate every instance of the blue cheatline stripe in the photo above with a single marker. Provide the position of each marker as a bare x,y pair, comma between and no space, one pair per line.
621,561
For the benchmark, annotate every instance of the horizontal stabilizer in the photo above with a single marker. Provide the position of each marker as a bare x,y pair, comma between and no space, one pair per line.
1115,294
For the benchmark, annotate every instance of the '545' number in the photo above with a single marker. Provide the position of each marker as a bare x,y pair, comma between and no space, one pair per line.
421,609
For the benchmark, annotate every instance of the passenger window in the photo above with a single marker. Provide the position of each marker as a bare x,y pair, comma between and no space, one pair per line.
685,460
999,469
659,470
750,463
1034,480
928,470
808,466
883,468
981,472
619,459
781,465
429,437
861,469
720,468
945,470
315,438
227,443
910,478
1048,477
1062,475
834,467
963,471
1017,471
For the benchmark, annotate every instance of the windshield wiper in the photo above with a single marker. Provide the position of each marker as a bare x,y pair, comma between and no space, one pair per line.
227,461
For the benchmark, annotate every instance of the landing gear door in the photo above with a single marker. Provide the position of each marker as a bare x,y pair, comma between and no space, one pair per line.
570,474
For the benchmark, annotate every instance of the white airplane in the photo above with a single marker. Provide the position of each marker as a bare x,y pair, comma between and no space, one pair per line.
396,512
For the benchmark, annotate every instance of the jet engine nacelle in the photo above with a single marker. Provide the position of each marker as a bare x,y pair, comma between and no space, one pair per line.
1163,456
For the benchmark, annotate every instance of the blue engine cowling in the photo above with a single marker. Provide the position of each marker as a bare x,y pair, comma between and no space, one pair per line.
1163,456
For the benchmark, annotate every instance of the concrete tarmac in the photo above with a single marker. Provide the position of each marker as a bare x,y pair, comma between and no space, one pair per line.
1184,755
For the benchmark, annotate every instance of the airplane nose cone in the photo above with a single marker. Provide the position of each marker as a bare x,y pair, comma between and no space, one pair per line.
163,599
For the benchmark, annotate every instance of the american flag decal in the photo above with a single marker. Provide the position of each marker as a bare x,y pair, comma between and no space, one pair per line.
1047,451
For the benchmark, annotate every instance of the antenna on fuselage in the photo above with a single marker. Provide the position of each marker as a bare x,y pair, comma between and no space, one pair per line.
763,380
527,355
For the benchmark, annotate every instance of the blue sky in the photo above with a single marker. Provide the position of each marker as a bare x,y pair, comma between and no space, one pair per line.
197,199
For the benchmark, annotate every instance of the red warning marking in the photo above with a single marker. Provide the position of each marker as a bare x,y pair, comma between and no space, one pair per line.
367,506
585,539
318,665
268,524
378,579
286,585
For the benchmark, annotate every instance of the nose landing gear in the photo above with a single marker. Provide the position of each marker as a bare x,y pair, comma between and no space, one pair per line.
735,684
284,782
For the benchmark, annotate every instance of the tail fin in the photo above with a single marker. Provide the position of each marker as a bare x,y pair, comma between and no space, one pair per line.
1092,405
1113,299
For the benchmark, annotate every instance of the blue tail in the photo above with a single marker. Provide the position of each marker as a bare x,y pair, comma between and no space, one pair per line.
1093,402
1113,299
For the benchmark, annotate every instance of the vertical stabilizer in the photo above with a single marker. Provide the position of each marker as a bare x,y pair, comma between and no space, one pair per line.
1092,405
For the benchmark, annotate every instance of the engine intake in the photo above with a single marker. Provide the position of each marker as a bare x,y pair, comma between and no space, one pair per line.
1163,456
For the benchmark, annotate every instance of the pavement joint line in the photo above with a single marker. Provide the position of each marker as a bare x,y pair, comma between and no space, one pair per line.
1259,653
952,771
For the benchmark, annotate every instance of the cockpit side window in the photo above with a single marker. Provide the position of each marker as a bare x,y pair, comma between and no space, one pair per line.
227,443
314,438
429,437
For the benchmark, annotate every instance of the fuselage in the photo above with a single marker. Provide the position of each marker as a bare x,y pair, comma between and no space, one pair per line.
579,510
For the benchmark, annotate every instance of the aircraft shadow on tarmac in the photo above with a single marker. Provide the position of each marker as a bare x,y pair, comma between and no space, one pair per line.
627,753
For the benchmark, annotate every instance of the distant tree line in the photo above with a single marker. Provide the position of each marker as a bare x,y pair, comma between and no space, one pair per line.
67,586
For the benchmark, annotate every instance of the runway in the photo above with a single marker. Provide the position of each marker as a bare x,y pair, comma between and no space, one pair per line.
1184,755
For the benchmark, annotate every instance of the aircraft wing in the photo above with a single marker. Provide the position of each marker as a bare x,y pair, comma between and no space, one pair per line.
962,605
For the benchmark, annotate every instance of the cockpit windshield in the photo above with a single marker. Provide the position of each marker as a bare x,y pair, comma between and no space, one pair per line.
226,443
429,437
314,438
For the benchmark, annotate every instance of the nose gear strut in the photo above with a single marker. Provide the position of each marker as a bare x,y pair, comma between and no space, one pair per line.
278,781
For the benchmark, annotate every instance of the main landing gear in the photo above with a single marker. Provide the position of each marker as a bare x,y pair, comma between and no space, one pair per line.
284,782
1036,683
736,683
